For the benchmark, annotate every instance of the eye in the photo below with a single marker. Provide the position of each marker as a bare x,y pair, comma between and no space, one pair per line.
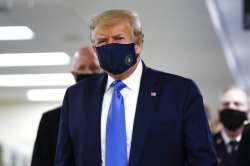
101,42
119,38
94,68
82,67
237,103
226,104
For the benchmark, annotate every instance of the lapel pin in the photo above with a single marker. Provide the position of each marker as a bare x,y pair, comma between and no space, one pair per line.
153,94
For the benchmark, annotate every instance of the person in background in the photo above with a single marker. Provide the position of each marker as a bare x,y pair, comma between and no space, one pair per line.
131,115
232,114
84,64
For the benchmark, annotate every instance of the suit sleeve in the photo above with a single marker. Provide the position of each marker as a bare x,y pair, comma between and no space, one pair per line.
198,139
64,149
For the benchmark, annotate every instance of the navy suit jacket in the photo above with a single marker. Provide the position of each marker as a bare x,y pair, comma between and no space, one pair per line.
170,125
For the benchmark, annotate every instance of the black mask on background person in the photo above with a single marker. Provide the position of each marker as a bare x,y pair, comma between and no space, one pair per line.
232,119
80,77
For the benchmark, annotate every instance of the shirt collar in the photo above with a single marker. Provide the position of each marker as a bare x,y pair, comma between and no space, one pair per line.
130,80
227,139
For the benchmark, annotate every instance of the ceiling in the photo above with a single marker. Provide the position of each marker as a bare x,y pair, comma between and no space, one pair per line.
179,38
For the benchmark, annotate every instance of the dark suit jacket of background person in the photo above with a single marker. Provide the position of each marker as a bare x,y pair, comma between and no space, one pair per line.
222,156
244,147
170,125
45,144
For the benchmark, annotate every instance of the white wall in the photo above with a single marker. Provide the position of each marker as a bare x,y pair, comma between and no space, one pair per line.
18,126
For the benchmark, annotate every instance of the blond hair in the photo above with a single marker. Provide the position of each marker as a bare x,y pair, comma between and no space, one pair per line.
113,16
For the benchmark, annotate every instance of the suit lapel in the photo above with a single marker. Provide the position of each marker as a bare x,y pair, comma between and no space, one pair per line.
95,96
144,110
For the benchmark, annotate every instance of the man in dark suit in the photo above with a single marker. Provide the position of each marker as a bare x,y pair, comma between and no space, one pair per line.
131,115
232,114
85,64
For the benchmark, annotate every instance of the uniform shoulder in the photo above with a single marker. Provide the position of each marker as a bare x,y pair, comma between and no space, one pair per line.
247,125
217,137
52,114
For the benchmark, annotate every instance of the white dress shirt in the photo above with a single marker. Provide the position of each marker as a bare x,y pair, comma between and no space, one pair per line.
227,140
130,96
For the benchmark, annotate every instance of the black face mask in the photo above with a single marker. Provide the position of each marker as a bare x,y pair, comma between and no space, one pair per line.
232,119
80,77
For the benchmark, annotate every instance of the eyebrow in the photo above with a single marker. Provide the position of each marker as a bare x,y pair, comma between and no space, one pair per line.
101,37
104,36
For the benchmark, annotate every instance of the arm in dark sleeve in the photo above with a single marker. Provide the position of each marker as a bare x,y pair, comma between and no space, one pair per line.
64,148
198,139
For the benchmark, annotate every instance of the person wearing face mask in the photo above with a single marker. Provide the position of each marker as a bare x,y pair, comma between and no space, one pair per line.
131,115
84,65
232,114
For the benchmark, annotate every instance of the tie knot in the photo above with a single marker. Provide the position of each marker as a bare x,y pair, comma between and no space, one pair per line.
233,143
118,85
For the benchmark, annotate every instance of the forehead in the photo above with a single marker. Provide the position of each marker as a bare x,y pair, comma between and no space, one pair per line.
84,57
234,95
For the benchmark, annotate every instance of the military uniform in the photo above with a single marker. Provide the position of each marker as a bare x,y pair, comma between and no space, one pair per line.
227,153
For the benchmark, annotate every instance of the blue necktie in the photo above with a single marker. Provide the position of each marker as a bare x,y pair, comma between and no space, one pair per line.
116,146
